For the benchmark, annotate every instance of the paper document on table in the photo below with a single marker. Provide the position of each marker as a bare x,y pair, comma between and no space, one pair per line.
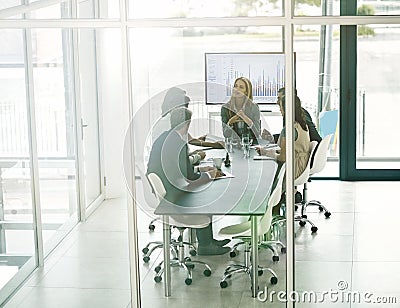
193,148
262,157
225,176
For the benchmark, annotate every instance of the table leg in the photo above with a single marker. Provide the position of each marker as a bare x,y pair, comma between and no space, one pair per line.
254,256
167,264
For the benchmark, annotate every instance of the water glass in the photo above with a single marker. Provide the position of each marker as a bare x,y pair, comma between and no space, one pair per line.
246,143
229,144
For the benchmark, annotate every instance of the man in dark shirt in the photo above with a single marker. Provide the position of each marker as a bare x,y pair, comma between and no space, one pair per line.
170,161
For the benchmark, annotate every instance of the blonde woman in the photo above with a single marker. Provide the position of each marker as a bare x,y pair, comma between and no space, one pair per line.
240,114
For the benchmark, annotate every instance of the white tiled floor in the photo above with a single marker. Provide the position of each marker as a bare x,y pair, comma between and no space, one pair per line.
357,245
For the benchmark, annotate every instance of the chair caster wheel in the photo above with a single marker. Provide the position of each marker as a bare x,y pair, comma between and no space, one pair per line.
275,258
192,252
302,223
146,259
320,208
283,250
274,280
260,272
188,259
145,250
223,284
157,279
304,216
188,281
314,229
157,269
233,254
152,227
207,273
327,214
190,266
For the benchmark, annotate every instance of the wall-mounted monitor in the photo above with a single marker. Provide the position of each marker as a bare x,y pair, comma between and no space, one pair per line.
265,70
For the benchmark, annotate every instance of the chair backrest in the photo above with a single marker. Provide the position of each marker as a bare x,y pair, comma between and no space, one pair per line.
183,221
320,155
303,178
157,185
149,196
273,200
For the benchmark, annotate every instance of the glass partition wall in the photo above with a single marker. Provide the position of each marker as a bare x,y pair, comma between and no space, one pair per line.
43,114
46,76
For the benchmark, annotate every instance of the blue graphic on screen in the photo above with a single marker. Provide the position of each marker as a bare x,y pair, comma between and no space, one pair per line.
266,72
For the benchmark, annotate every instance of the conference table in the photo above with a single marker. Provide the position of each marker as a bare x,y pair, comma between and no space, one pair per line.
244,194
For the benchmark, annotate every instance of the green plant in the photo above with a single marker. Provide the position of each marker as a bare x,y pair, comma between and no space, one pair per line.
365,10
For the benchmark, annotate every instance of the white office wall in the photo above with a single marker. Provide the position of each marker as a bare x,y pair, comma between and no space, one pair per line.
114,109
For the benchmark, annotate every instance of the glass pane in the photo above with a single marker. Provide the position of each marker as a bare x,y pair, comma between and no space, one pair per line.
6,4
86,9
378,7
90,114
54,107
182,64
17,244
317,83
377,108
316,7
48,12
209,8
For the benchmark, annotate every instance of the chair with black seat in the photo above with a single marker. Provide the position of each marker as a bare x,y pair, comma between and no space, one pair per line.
242,231
317,165
181,222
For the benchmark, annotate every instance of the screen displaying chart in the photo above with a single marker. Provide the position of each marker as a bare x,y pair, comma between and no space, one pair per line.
266,71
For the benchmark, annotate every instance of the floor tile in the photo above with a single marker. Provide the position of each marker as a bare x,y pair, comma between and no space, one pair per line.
321,276
324,247
379,277
88,273
76,298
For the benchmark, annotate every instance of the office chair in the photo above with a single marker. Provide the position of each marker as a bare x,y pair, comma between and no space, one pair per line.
300,180
318,164
243,231
149,207
181,222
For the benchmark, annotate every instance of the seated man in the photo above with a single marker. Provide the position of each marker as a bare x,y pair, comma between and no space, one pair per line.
169,160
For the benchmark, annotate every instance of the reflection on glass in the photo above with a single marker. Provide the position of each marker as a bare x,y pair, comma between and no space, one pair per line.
378,7
316,7
377,110
90,114
208,8
317,83
55,135
16,219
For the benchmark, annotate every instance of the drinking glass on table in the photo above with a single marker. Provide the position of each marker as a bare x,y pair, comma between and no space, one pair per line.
246,143
229,144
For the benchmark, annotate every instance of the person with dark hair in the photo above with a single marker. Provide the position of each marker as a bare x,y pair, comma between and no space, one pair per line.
170,161
301,140
312,129
175,98
240,114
